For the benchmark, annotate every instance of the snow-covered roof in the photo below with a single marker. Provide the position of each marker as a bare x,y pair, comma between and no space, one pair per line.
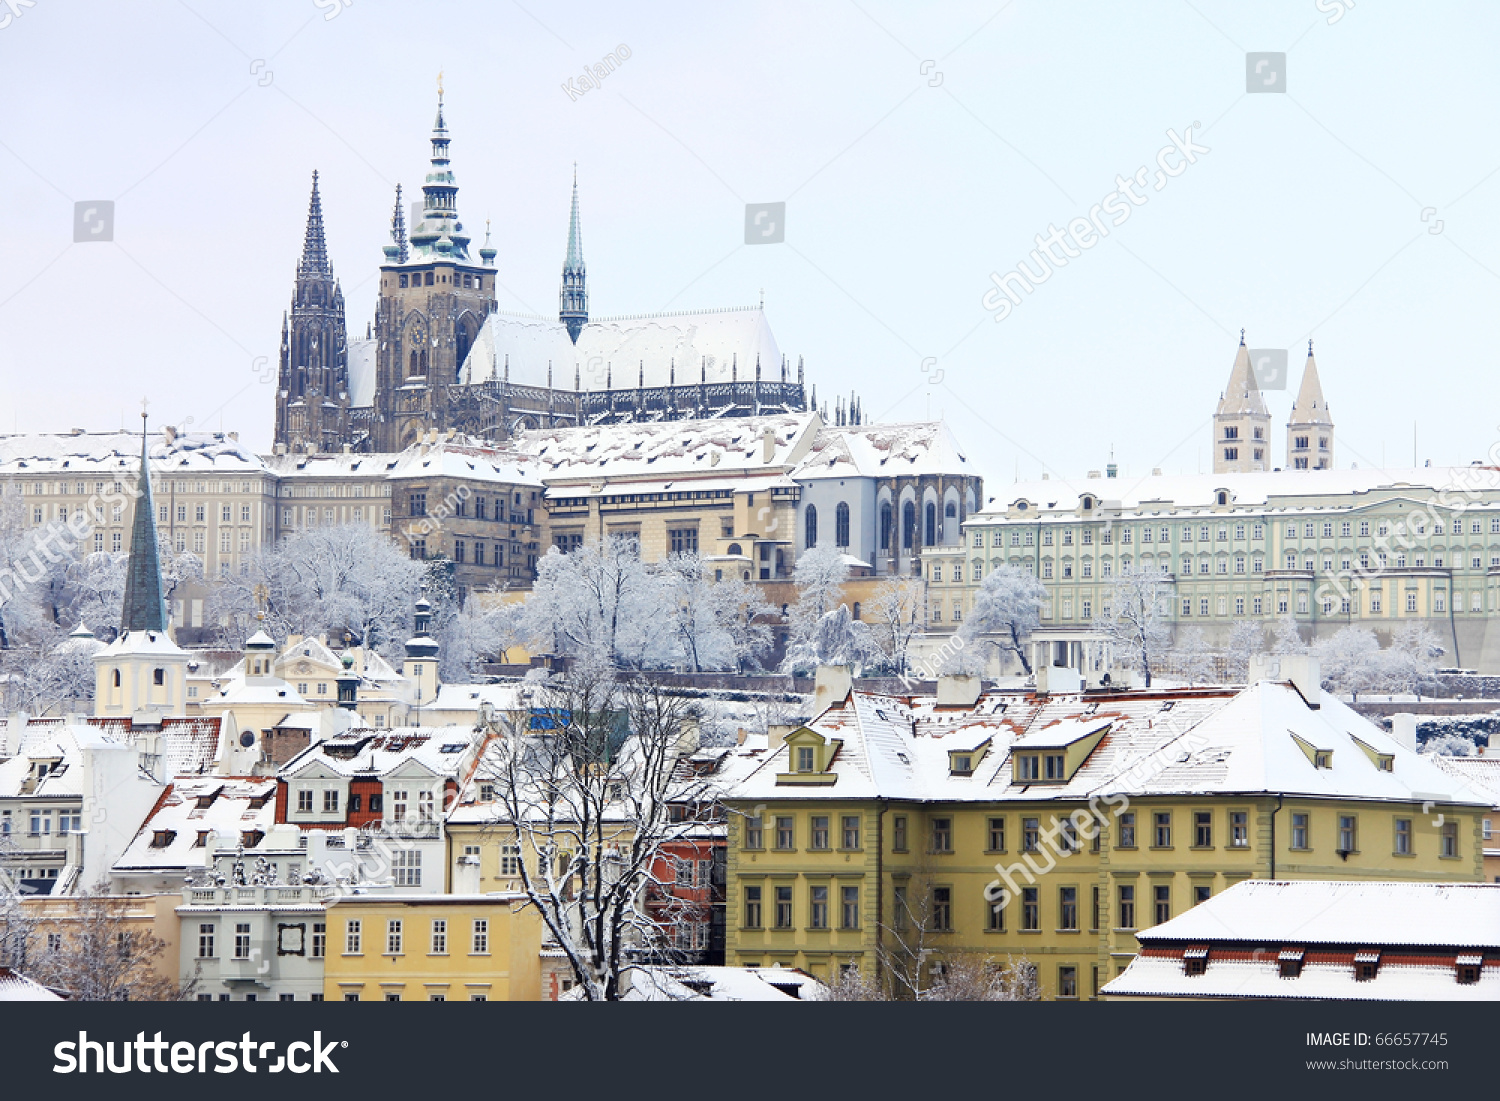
512,696
88,454
449,459
16,987
1416,933
443,750
1480,773
673,451
168,839
1153,743
710,345
884,451
1289,490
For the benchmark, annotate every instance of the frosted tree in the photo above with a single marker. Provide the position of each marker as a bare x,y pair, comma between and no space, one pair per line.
1007,609
34,561
1246,639
476,635
599,603
1286,638
106,956
715,624
1412,658
1349,661
1449,745
1132,619
594,805
1193,656
98,591
819,577
836,639
896,615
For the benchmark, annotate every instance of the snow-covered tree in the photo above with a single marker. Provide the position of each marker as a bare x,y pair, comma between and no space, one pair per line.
1286,638
896,615
590,805
1246,639
713,624
1349,661
819,576
1193,656
106,956
475,636
33,574
836,639
1412,658
1132,617
596,603
98,591
1449,745
1007,609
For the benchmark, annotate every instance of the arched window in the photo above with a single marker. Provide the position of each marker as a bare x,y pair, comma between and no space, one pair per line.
908,525
735,548
413,369
950,511
465,339
117,678
932,533
855,613
886,522
812,526
424,361
158,676
841,525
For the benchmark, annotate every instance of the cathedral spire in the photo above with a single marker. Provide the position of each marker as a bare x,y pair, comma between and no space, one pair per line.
314,247
1242,423
1309,431
439,235
573,298
399,250
144,609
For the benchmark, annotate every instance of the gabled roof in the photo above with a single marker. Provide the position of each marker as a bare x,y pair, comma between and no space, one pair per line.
168,839
368,754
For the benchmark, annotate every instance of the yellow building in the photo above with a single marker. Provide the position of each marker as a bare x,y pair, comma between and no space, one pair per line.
1051,828
433,948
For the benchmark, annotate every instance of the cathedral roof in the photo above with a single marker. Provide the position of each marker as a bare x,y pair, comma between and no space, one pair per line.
1310,408
1242,397
618,353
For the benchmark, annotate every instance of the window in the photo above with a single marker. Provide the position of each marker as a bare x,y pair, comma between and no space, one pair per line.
1027,767
1067,982
1055,766
817,907
942,909
1403,837
1162,835
851,831
1030,834
683,540
206,941
1067,908
1299,831
810,515
439,937
755,834
850,914
1162,895
898,833
819,833
841,525
1126,918
330,801
1031,918
352,939
942,835
784,833
804,758
319,939
393,937
1239,829
1348,834
994,917
752,907
783,907
242,940
1449,839
996,835
1203,829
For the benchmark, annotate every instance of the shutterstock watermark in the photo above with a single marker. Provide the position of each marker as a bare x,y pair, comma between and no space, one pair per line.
1083,233
85,1056
57,541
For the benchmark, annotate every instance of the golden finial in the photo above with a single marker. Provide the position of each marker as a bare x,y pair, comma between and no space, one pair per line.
440,84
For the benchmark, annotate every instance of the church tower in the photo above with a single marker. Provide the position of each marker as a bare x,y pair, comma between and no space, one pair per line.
573,304
312,392
1309,434
142,671
1242,424
433,300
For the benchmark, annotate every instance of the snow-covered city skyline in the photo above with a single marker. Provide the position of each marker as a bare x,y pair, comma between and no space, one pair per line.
917,152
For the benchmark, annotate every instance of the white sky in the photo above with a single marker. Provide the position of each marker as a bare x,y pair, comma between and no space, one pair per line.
1305,219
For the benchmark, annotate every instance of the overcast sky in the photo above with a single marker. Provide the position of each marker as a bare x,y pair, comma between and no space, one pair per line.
918,148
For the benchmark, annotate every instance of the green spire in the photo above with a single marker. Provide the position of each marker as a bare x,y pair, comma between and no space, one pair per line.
144,609
574,261
573,298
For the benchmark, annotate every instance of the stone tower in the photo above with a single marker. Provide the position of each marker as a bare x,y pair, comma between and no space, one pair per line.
573,299
433,300
1242,424
1309,433
312,392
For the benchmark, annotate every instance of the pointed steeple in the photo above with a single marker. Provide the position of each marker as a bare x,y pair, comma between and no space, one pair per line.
314,247
144,609
1309,431
439,235
399,250
573,298
1242,423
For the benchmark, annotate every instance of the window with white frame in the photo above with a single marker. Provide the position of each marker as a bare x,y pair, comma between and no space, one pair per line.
393,937
481,941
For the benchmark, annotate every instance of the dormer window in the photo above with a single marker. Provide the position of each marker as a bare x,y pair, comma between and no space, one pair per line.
1366,966
160,839
1055,767
1467,969
1028,767
961,764
202,842
1195,961
1290,962
1323,758
805,758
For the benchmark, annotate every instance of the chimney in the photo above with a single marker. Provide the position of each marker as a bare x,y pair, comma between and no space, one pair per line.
954,690
768,445
1051,679
1301,671
776,735
466,876
1404,730
831,686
